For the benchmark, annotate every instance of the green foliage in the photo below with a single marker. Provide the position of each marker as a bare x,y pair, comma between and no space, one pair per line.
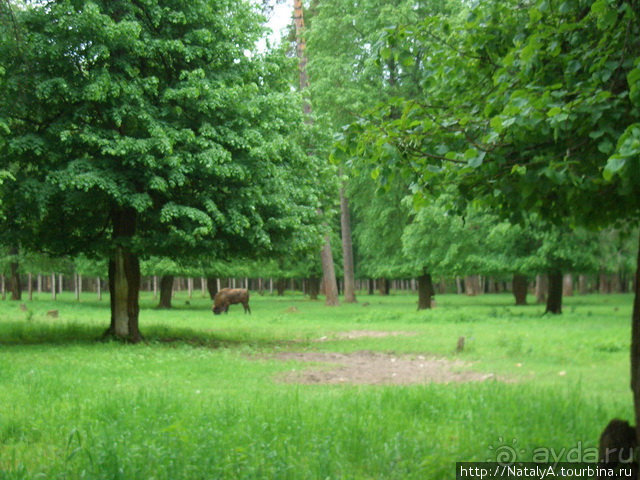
529,109
161,107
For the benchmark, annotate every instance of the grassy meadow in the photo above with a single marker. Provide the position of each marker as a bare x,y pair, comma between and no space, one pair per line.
202,399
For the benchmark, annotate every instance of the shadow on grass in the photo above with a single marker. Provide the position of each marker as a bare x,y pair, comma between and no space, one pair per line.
36,333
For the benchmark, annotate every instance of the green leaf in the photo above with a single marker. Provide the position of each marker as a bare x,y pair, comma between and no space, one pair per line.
633,79
606,147
554,111
614,165
386,53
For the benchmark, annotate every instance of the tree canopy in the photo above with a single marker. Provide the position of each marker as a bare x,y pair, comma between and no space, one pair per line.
152,127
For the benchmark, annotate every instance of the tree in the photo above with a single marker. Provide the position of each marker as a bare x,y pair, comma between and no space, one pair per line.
140,128
328,270
540,113
535,247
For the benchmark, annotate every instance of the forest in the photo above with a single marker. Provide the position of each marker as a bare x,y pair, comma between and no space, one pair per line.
454,180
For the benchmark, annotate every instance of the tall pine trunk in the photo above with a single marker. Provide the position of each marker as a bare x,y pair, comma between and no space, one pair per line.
520,289
554,297
124,279
542,286
347,250
166,291
329,277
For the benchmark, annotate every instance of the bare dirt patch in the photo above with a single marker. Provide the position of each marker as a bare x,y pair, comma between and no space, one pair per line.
355,334
376,368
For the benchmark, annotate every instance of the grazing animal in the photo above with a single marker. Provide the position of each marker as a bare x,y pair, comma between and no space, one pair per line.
229,296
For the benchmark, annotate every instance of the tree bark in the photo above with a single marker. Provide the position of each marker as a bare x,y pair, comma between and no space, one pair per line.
124,279
567,285
281,286
14,279
582,284
212,287
166,291
520,289
77,285
425,291
615,283
301,45
472,285
384,286
314,287
329,275
554,297
635,347
347,250
542,285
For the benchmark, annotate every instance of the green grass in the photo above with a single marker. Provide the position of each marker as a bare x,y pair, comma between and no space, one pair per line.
198,399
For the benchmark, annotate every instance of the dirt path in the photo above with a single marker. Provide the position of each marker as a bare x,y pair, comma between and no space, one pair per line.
355,334
367,367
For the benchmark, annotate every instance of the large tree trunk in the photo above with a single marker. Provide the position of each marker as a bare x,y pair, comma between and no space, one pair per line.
166,291
635,347
329,275
124,279
425,291
567,285
542,285
347,250
384,286
314,287
582,284
14,279
298,18
212,287
520,289
554,298
472,285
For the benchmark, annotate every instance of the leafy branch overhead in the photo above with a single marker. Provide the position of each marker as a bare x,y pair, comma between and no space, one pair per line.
529,108
156,107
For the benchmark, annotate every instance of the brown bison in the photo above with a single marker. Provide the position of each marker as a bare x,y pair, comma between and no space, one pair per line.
229,296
